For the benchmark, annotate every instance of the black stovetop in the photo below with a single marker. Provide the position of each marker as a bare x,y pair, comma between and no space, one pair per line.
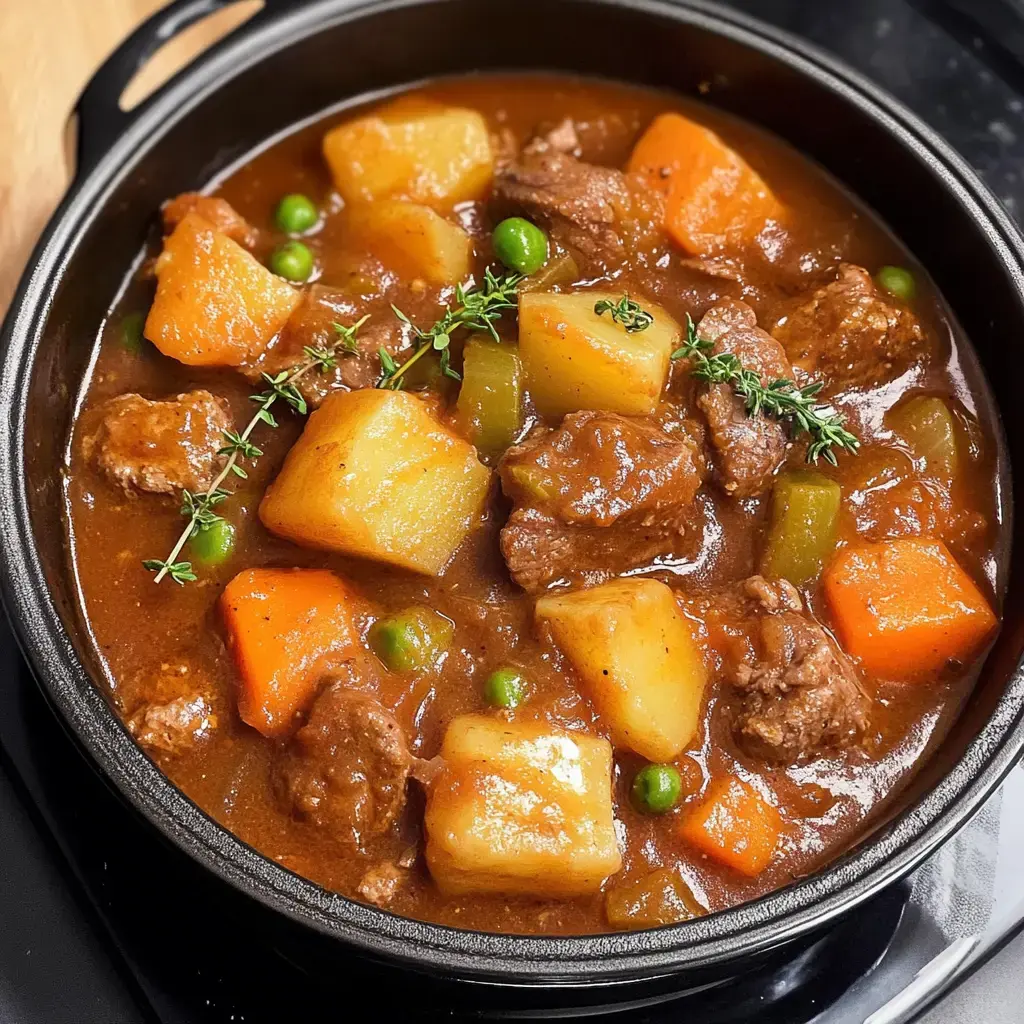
102,921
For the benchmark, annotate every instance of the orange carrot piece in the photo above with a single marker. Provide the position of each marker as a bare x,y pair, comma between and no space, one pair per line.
736,826
215,303
219,212
713,198
905,607
284,627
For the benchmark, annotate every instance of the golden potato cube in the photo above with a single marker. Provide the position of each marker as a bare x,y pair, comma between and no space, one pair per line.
637,658
520,807
574,359
216,304
375,475
411,240
427,154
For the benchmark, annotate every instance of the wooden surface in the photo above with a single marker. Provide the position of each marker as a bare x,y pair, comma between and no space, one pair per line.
48,50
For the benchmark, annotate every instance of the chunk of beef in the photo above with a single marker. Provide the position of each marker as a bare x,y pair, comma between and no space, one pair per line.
801,696
539,550
561,138
601,494
596,213
774,595
219,212
748,449
173,727
312,326
580,204
850,335
382,883
347,767
161,447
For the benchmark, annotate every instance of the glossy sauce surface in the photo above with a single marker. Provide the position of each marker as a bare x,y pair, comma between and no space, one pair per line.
151,638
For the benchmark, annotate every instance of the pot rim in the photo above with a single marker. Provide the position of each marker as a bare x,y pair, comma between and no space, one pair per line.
888,855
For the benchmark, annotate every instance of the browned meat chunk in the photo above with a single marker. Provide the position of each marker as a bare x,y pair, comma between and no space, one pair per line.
312,326
347,767
162,447
381,884
219,212
748,449
801,696
774,595
594,212
602,492
173,727
850,335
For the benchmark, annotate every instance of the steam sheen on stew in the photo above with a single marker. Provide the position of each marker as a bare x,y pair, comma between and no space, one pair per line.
535,505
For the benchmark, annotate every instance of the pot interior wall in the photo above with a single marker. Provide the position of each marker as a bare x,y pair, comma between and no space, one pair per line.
407,43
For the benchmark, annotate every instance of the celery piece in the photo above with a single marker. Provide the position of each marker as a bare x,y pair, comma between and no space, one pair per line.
804,520
926,426
559,270
490,400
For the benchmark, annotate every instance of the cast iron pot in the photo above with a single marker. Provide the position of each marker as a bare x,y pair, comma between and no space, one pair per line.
289,63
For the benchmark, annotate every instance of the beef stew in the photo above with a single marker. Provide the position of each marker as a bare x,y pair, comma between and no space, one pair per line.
564,633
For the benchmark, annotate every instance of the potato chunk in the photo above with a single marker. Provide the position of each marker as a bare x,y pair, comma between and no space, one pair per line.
216,304
521,808
375,475
574,359
637,658
427,154
411,240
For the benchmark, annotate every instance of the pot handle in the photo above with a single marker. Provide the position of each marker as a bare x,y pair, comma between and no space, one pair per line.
98,112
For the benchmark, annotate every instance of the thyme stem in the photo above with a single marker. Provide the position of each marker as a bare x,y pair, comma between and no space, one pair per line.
780,399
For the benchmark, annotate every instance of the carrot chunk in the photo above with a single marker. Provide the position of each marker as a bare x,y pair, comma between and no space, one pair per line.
905,607
215,303
736,826
713,198
284,628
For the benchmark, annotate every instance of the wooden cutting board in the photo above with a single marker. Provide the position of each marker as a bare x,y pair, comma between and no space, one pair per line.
48,51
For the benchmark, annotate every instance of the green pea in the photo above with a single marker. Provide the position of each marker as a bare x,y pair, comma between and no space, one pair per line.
214,544
293,261
131,332
656,788
411,640
897,281
520,245
505,688
296,214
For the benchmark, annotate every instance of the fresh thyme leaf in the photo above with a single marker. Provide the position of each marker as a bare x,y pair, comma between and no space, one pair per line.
446,369
236,443
476,309
180,572
781,399
347,335
630,314
322,358
199,509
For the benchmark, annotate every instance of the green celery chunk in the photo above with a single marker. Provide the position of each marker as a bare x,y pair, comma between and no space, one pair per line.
559,270
490,403
412,640
804,520
929,430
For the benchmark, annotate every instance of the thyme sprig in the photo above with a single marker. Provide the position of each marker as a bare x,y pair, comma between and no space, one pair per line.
476,309
198,509
627,312
781,399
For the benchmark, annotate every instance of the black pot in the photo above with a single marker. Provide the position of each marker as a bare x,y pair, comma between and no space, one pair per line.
289,63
